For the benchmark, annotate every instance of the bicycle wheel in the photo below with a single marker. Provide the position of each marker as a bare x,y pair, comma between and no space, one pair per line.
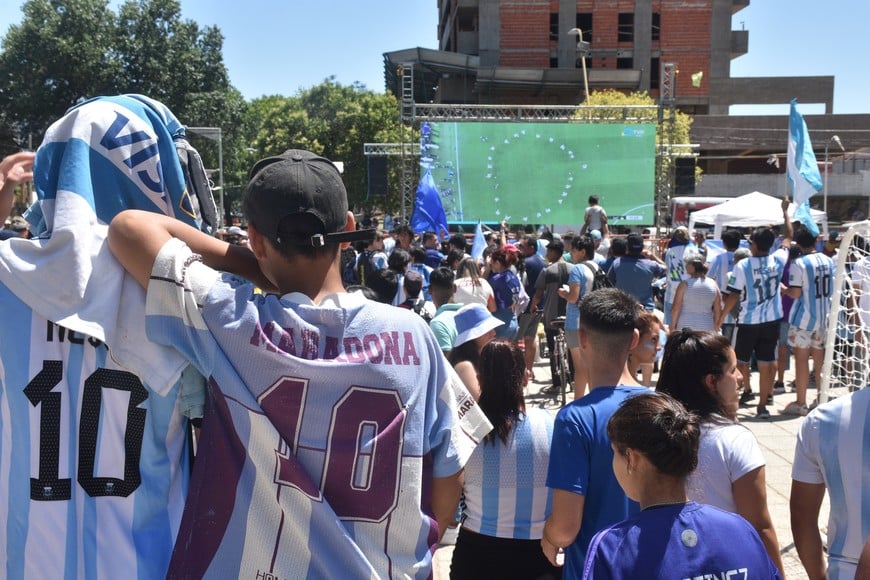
562,366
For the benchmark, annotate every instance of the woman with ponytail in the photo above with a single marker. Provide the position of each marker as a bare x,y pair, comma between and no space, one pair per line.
655,448
699,369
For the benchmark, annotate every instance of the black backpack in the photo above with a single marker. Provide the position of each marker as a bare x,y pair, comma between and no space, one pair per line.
417,306
355,272
599,277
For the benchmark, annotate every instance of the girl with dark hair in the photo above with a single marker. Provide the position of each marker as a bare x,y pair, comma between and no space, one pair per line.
655,447
506,288
475,327
506,497
471,288
699,369
697,303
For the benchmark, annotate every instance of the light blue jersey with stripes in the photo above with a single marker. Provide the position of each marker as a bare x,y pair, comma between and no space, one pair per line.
833,448
325,426
758,281
93,462
814,275
506,493
720,268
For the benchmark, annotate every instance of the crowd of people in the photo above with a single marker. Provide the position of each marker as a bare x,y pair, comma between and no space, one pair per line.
355,392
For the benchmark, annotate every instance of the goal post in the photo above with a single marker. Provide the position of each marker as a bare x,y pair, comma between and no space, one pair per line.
847,340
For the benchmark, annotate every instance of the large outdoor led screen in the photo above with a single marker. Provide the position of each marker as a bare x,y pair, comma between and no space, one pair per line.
541,173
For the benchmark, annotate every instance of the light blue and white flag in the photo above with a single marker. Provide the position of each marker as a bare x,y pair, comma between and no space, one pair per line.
802,169
479,244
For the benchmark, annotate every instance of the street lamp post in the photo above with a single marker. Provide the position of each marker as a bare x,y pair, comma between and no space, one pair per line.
583,49
836,140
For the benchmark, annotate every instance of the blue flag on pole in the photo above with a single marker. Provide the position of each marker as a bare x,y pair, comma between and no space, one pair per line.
428,214
479,244
802,169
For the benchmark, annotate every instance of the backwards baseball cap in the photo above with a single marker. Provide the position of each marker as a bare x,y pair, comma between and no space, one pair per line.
634,243
595,234
298,199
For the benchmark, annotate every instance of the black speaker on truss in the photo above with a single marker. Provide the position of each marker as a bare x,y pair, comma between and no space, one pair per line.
684,175
378,182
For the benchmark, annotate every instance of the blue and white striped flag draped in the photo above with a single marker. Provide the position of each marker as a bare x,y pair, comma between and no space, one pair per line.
802,169
479,244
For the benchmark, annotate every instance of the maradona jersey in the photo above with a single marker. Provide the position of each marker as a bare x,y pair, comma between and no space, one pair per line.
758,281
93,461
324,426
814,275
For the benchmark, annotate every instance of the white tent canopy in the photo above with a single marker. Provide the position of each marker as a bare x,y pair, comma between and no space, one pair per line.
750,210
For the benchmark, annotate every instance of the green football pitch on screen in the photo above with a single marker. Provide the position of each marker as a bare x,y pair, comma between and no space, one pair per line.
541,173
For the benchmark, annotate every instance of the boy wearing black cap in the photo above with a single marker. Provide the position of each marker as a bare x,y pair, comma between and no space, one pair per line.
328,416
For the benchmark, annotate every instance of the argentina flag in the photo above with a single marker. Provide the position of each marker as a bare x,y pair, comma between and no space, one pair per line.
802,169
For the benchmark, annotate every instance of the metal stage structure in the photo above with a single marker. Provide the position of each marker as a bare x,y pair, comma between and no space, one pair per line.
413,114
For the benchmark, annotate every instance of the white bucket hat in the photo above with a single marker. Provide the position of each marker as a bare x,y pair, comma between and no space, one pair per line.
473,321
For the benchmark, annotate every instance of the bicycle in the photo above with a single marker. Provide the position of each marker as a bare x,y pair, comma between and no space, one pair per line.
560,351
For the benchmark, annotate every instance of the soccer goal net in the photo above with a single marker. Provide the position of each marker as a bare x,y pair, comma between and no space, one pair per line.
847,344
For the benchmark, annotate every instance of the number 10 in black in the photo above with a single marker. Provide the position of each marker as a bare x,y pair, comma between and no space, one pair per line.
49,486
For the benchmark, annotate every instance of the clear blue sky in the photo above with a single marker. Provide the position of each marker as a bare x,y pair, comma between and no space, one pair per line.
280,46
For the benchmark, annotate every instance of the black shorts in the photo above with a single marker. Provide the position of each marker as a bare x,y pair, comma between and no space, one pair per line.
478,556
761,339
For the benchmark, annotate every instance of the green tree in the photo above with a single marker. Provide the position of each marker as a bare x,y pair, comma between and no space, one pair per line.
60,53
65,51
332,120
613,105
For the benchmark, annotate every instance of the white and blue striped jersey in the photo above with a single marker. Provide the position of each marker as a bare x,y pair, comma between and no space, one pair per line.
676,270
506,493
758,280
93,463
720,269
814,275
833,448
324,426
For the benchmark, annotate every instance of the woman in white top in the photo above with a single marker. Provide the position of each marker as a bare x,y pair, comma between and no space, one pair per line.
697,303
699,369
471,288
